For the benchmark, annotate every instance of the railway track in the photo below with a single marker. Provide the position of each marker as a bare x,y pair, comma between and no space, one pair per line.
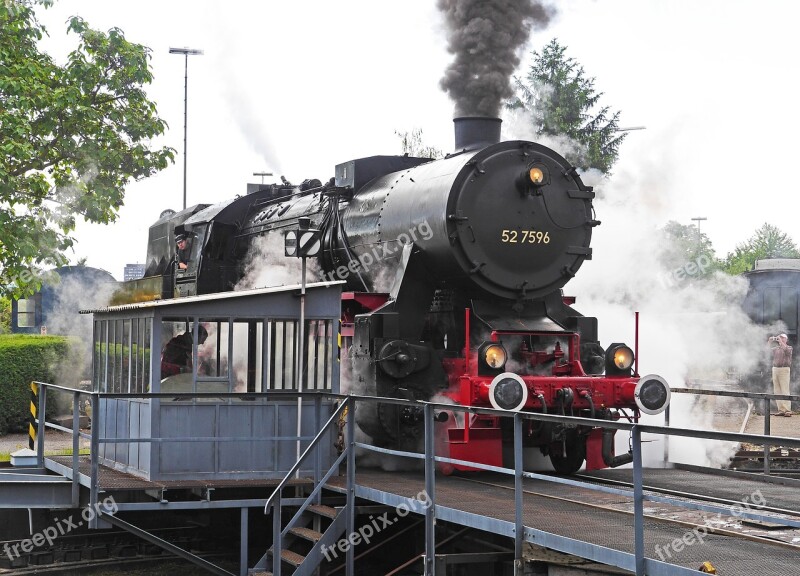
691,496
672,515
783,462
76,553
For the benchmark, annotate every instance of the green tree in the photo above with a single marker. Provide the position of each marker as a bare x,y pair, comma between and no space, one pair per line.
412,144
563,101
768,242
72,137
687,253
5,315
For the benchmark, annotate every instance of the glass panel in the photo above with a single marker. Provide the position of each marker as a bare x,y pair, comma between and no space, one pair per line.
213,354
282,354
147,330
178,356
196,239
98,356
247,338
133,357
26,313
176,349
127,346
106,356
318,352
111,356
119,379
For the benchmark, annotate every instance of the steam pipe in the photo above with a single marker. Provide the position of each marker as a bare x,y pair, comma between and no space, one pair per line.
636,348
608,451
466,343
588,396
544,403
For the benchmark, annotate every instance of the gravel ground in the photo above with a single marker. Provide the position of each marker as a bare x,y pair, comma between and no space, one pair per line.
778,425
728,416
54,440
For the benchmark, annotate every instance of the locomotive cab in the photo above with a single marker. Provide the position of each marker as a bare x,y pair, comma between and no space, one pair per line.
186,279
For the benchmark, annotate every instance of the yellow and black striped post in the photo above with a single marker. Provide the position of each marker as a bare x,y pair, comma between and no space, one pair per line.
33,428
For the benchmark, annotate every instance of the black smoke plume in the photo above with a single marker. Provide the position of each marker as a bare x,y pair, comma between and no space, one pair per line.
486,37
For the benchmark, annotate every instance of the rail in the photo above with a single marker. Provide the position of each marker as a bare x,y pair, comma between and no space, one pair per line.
636,562
756,396
96,440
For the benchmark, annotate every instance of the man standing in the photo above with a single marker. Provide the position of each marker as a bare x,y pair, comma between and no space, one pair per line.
781,363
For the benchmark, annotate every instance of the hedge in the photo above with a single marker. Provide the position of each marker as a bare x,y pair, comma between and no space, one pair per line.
24,358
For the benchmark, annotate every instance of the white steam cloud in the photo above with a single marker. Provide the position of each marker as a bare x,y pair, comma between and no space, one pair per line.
72,294
692,329
266,265
689,330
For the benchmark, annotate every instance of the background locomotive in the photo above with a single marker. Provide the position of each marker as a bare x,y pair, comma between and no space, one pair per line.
454,270
773,299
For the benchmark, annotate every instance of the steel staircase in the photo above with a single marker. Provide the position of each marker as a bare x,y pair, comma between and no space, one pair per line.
315,527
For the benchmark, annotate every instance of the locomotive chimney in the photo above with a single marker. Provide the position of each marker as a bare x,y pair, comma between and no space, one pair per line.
476,132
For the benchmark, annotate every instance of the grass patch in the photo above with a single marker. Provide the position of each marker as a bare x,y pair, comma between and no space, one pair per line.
6,456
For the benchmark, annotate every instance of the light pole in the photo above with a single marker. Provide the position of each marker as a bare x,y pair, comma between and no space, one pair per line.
699,219
186,53
262,174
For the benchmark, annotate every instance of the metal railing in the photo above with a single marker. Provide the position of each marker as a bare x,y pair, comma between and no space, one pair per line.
750,396
96,440
636,562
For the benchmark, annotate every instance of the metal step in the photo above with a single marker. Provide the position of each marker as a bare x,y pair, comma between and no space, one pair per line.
292,558
322,510
287,556
306,534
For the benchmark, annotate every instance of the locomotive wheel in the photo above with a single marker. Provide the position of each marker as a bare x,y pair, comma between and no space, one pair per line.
570,462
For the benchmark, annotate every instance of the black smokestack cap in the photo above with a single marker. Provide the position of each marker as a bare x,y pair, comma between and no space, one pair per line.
476,132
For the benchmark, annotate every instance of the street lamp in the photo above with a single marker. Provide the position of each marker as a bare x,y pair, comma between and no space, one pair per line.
699,219
186,53
262,174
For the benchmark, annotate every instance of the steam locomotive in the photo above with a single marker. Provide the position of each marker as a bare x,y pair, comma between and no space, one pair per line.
454,270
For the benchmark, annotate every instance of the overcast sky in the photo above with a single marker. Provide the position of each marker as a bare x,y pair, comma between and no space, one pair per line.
297,87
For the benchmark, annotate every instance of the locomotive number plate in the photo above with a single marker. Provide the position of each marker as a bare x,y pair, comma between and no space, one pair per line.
525,237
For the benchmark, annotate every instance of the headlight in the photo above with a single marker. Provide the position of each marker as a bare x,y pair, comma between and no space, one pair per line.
619,360
492,358
508,392
495,356
538,175
652,394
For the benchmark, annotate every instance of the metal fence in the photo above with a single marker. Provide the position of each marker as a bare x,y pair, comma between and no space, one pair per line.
636,562
752,397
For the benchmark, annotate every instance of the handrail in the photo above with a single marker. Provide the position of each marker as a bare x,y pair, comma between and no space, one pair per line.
552,418
635,561
303,456
736,394
766,398
269,393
